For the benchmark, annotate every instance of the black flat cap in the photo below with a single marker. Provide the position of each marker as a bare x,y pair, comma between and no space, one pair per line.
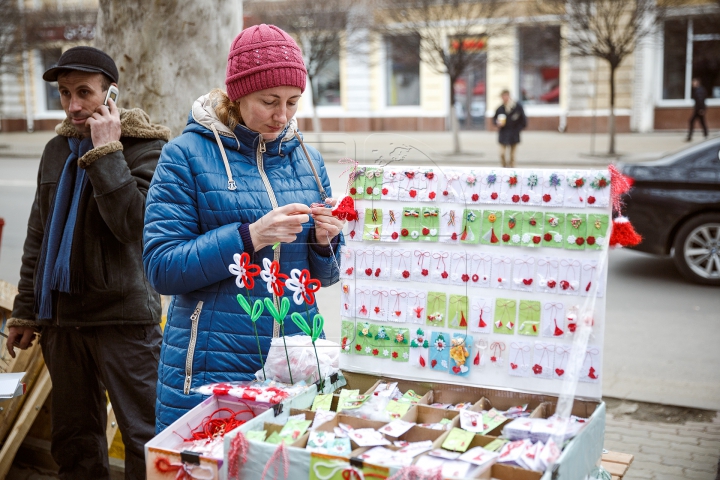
84,59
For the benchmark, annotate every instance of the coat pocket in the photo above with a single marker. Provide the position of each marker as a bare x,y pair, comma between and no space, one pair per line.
194,320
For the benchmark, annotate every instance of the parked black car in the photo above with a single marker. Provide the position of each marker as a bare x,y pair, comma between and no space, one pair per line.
674,203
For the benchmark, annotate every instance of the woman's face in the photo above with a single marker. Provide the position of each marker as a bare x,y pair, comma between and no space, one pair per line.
268,111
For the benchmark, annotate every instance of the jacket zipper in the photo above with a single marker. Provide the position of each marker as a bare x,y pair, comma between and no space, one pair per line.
194,319
273,201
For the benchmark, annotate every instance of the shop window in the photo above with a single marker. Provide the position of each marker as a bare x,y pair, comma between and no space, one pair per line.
539,65
699,38
403,70
326,84
50,57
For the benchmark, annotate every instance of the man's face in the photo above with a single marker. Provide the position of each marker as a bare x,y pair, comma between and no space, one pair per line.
695,82
505,97
80,94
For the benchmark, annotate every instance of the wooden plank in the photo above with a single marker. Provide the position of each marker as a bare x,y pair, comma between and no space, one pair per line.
618,457
7,295
112,426
613,468
24,421
30,361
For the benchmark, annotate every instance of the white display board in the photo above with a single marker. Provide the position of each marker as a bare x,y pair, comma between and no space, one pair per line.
475,275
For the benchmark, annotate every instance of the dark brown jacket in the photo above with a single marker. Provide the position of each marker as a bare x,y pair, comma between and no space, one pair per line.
108,233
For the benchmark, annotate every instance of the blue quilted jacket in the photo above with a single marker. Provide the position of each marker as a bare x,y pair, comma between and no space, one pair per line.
191,234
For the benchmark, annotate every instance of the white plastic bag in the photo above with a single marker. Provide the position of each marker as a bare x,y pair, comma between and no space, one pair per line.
302,359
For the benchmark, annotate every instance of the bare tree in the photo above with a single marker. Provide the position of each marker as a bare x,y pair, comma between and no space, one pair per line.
606,29
319,27
168,52
448,33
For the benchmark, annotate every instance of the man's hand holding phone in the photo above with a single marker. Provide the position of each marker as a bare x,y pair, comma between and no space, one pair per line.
105,122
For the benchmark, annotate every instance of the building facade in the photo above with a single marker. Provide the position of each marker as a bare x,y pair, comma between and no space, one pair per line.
374,89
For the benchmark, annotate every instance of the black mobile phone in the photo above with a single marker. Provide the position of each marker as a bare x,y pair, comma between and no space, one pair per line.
113,93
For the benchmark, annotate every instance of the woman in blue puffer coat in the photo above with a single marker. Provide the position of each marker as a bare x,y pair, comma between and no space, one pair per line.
238,179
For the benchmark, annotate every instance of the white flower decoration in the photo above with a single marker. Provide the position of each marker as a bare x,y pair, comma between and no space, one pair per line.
267,276
516,238
433,231
571,238
558,238
414,234
600,241
346,347
444,363
405,355
376,191
526,238
296,286
503,197
367,350
238,270
386,353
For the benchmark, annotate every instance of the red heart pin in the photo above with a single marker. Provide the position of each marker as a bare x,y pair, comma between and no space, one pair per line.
513,366
559,372
551,283
494,195
433,363
527,281
546,198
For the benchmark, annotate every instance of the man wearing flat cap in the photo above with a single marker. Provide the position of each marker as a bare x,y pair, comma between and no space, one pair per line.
82,288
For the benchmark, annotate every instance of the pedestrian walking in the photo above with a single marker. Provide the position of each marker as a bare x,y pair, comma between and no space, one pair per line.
699,94
510,119
82,287
239,180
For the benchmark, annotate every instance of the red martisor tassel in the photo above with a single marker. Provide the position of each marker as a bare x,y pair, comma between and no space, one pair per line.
482,323
477,359
422,361
464,235
619,184
493,237
345,209
558,330
623,233
463,322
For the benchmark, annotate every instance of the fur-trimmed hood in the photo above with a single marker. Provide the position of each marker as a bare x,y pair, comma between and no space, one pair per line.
134,123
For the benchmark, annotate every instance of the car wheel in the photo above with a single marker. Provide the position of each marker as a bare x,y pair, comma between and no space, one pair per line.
697,249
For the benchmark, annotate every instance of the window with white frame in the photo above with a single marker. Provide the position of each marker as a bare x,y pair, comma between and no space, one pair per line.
539,65
326,84
403,70
691,49
50,57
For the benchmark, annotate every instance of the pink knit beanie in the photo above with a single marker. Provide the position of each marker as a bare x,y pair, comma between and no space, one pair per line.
263,57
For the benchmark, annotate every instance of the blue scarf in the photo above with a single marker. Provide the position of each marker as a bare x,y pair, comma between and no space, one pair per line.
54,259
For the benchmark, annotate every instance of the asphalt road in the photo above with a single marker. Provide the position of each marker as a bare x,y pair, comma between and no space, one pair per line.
662,335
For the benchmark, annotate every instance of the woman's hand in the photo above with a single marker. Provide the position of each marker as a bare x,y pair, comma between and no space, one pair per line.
327,227
281,225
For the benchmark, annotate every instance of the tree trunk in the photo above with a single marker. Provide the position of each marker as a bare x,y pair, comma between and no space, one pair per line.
168,52
611,117
454,123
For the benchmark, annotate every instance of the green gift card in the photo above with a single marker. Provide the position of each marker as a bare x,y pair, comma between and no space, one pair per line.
397,409
554,235
492,227
436,308
373,183
496,445
532,229
512,227
575,231
430,222
257,435
382,342
352,402
295,429
410,226
330,467
322,402
472,221
347,333
597,231
458,440
458,312
410,396
364,338
344,395
357,188
400,345
492,420
529,318
275,438
505,314
372,230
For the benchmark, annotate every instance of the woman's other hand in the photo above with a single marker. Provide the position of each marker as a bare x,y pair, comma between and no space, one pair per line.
281,225
327,227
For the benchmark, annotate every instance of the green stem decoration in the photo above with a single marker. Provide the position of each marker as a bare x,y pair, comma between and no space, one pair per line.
313,332
255,311
279,317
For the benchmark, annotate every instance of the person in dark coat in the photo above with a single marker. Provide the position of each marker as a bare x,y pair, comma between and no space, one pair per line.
510,119
699,95
82,283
